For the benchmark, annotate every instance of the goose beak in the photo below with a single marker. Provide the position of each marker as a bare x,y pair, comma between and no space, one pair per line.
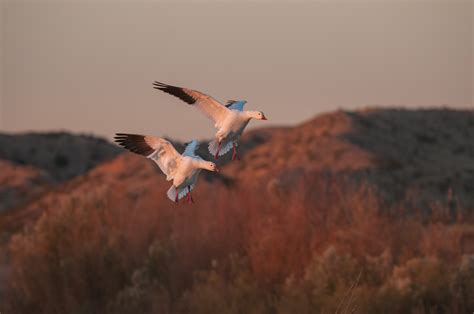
263,117
217,169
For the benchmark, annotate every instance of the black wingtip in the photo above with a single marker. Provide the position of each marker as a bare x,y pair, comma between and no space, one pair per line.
126,135
159,85
133,142
175,91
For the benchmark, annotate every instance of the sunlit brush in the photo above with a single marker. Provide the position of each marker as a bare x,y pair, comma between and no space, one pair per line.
183,169
230,120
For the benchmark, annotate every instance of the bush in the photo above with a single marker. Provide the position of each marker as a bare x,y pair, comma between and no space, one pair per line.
72,262
332,246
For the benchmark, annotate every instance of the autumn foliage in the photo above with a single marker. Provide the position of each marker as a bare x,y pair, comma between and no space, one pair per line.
329,245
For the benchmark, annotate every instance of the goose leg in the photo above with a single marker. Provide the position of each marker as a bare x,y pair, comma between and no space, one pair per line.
177,195
190,197
234,155
218,150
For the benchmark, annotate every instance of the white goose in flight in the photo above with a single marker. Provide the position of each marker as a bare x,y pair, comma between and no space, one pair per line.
230,120
183,169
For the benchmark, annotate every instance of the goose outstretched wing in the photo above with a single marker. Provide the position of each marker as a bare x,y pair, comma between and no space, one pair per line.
210,107
155,148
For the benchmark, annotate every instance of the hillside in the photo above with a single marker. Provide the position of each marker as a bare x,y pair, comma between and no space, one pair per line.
411,155
61,155
403,152
382,193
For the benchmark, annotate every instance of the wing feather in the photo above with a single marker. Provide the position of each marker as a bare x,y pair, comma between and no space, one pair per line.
190,149
210,107
236,104
155,148
225,147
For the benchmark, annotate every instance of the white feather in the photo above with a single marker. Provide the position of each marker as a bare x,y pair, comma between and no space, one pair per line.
225,147
183,191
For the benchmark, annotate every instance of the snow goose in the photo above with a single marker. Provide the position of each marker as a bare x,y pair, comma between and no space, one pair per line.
182,169
230,120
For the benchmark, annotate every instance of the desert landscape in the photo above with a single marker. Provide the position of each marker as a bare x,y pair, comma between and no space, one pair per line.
363,211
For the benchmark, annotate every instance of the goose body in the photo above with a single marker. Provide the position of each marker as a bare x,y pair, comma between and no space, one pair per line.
230,120
182,169
229,133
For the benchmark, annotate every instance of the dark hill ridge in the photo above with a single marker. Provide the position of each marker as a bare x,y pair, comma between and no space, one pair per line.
62,155
428,152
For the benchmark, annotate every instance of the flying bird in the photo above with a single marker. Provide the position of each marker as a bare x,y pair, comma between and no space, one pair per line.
183,169
230,120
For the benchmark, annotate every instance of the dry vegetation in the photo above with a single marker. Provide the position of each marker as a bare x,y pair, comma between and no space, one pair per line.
337,248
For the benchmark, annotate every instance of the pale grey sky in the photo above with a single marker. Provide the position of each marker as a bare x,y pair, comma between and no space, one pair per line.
87,66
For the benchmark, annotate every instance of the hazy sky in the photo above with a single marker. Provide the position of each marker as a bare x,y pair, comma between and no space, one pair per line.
87,66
